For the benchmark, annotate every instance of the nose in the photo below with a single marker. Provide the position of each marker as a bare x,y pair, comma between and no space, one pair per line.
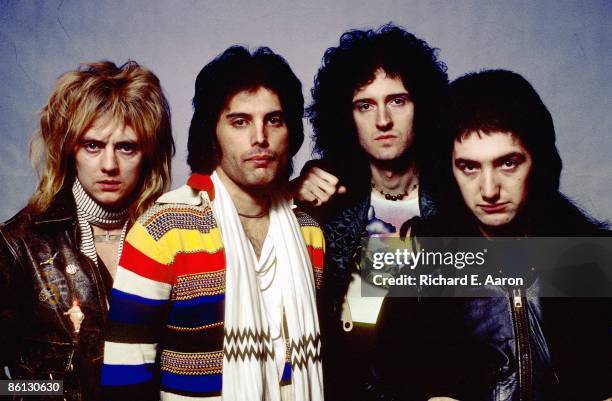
260,135
383,119
110,164
489,186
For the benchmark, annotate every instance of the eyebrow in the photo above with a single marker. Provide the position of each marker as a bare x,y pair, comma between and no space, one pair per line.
275,113
390,96
497,161
247,116
84,139
238,114
127,142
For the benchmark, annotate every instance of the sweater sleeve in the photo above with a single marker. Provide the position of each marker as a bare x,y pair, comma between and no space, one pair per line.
137,313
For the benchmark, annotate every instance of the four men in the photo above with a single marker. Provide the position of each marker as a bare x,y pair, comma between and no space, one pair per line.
214,291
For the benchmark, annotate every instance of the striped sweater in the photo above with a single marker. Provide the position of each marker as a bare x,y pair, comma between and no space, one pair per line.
165,330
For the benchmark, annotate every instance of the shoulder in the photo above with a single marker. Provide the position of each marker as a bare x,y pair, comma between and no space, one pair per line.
183,208
166,229
17,227
311,231
183,195
348,222
21,220
304,219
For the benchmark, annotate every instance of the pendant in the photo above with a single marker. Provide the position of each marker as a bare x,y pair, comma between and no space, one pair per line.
76,316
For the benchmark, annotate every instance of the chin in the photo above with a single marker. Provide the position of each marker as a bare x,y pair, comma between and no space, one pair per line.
496,221
109,201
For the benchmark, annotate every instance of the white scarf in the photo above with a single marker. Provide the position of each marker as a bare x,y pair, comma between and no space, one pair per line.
249,369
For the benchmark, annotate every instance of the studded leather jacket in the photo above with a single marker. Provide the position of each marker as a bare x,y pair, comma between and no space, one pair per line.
42,276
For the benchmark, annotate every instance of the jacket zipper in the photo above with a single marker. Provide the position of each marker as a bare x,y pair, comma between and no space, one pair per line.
523,352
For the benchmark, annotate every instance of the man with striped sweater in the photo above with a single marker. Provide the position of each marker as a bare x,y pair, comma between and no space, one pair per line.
215,290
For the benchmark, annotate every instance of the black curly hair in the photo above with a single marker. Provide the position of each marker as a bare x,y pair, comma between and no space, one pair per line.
233,71
353,64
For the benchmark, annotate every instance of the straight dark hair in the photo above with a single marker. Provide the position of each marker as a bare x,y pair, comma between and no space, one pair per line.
233,71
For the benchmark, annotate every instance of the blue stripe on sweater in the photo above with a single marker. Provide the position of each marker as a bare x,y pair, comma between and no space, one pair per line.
191,383
123,375
197,311
129,308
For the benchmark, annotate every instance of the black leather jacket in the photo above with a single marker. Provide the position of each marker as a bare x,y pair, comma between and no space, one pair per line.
499,344
42,272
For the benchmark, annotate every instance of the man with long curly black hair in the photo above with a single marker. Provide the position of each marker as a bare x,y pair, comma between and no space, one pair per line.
375,102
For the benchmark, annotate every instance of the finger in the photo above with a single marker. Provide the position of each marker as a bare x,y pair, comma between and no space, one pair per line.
319,181
341,189
314,187
320,194
302,187
324,175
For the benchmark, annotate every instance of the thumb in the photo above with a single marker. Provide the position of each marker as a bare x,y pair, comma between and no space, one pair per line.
341,189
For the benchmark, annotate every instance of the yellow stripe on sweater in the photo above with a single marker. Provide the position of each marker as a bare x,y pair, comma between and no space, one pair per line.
313,236
191,241
140,239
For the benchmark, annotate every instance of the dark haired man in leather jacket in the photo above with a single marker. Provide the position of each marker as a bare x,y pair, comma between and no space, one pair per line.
503,342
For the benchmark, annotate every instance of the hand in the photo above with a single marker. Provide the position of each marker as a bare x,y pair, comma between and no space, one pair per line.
316,186
441,399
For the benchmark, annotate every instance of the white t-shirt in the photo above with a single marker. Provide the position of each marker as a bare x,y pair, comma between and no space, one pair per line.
385,218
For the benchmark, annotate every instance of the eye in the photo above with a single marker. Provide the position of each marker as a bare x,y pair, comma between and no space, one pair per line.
510,164
467,168
363,106
91,146
127,148
276,121
239,122
398,101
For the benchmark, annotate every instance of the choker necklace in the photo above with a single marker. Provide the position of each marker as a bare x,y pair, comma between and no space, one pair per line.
253,216
108,237
256,215
396,197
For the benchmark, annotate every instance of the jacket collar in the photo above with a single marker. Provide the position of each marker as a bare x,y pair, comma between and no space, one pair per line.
199,190
202,182
62,209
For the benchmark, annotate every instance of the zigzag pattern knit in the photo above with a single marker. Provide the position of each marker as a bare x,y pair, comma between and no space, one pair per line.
167,305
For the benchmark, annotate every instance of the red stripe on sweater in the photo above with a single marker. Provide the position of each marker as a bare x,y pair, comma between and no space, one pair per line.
316,256
199,262
135,261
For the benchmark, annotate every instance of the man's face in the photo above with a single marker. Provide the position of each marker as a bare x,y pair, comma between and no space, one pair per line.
108,161
253,139
492,171
383,113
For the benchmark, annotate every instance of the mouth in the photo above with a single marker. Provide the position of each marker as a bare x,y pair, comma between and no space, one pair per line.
384,137
495,208
109,185
260,160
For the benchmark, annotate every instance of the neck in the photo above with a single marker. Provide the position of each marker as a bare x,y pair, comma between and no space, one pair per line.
392,178
512,229
246,202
